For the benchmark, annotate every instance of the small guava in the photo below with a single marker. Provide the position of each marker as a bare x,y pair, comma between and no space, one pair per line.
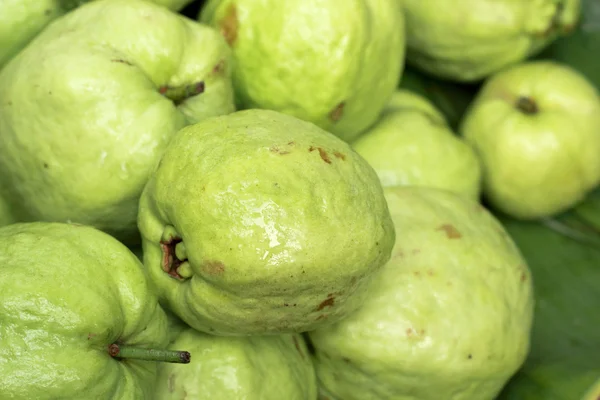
536,130
449,316
468,40
331,62
412,144
250,368
258,222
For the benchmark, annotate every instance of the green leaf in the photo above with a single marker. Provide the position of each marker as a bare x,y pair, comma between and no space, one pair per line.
564,360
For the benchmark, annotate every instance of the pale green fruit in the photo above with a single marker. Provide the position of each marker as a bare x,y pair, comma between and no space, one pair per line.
260,223
68,293
449,316
22,20
88,107
249,368
536,129
467,40
412,144
331,62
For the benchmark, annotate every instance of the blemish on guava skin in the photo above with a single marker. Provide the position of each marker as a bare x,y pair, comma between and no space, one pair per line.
47,12
46,165
337,113
322,153
118,60
213,267
451,231
170,262
91,336
470,356
523,277
320,317
220,67
277,150
346,360
297,345
328,302
230,25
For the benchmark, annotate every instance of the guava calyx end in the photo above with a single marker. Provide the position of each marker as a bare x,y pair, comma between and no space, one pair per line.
180,94
527,105
174,256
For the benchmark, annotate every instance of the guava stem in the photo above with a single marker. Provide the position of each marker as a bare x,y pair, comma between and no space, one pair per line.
527,105
179,94
138,353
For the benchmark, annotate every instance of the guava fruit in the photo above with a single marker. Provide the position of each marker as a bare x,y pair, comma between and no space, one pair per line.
581,48
22,20
449,316
472,39
412,144
258,222
87,108
250,368
77,316
536,129
331,62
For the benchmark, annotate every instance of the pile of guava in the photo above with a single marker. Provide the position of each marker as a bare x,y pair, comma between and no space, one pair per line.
299,199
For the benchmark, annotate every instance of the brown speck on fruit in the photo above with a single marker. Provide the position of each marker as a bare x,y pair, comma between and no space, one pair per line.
229,25
91,336
213,267
297,345
320,317
336,114
163,89
170,262
416,273
409,332
219,67
118,60
328,302
291,143
346,360
339,155
171,383
430,272
470,356
523,276
324,156
451,231
46,165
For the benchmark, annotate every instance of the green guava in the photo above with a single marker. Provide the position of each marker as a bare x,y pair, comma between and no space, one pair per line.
412,144
77,316
536,129
468,40
250,368
449,316
258,222
331,62
22,20
88,107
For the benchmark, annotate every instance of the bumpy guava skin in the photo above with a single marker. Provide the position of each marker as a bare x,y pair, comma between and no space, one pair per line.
449,316
260,223
22,20
250,368
468,40
86,110
68,292
536,130
412,144
334,62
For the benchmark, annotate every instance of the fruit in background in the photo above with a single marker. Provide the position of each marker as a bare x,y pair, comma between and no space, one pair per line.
412,144
87,109
334,63
536,129
260,223
451,312
77,316
450,98
581,49
470,40
251,368
22,20
563,361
